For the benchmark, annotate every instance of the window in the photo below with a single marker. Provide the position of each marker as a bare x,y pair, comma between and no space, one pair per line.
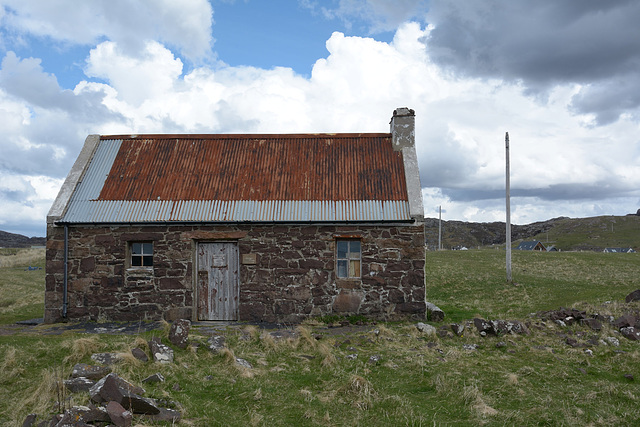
348,258
141,254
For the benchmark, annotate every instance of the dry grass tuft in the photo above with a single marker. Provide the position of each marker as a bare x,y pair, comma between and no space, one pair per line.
360,388
228,355
23,257
252,331
81,348
306,339
11,365
326,351
512,379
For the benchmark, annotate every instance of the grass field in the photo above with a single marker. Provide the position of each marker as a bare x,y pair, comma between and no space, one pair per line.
420,380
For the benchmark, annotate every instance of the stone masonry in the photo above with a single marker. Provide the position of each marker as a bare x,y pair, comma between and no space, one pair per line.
293,276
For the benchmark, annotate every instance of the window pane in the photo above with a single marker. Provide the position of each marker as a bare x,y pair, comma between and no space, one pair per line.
147,261
343,246
342,268
147,248
136,248
136,260
355,247
354,269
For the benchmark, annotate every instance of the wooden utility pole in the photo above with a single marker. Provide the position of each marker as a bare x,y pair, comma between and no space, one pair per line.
440,229
509,279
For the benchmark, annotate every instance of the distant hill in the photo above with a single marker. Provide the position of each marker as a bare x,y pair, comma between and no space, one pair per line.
11,240
567,234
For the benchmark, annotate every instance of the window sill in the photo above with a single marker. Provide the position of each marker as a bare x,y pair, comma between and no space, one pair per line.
142,271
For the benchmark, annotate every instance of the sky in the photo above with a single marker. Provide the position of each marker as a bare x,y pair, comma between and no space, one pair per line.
561,76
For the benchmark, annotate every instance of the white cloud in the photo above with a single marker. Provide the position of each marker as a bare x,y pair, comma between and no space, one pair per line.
185,24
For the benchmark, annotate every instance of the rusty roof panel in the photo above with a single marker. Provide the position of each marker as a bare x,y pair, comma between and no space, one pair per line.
236,178
257,167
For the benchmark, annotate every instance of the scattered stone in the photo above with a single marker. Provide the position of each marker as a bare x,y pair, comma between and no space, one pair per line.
165,414
588,352
625,321
161,353
112,384
216,343
176,387
457,329
118,415
106,358
138,404
425,328
208,378
501,344
482,325
76,385
140,354
243,363
91,372
30,420
633,296
629,377
582,371
594,324
631,333
374,359
352,356
560,323
613,341
434,313
179,333
155,378
572,342
470,347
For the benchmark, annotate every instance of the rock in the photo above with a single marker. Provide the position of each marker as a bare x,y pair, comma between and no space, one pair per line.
633,296
81,415
176,387
179,333
100,393
483,325
140,354
613,341
560,323
76,385
118,415
515,326
457,329
91,372
138,404
434,313
625,321
165,414
470,347
29,420
283,334
594,324
243,363
501,344
155,378
588,352
160,352
374,359
106,358
629,377
631,333
352,356
425,328
572,342
216,343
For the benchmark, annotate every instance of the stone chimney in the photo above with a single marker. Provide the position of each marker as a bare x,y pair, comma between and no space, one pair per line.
403,128
403,138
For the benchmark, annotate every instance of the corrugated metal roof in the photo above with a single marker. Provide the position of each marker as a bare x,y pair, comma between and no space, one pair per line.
237,178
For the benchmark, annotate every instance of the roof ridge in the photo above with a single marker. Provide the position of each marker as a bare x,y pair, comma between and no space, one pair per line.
247,135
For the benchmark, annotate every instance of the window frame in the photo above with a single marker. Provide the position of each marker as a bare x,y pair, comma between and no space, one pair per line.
143,255
349,257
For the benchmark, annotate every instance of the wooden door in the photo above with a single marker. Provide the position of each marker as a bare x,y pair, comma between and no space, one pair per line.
218,291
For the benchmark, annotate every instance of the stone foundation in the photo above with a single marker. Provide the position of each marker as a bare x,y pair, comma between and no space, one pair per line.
287,272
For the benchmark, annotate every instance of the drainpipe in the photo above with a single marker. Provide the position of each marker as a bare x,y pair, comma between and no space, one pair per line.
66,271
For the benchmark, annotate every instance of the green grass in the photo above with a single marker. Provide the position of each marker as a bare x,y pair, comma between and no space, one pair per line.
21,290
535,379
473,283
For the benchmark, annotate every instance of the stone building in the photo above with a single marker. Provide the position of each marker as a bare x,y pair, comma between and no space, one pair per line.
239,227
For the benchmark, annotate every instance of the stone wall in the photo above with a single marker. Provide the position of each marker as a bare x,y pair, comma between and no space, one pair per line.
291,274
